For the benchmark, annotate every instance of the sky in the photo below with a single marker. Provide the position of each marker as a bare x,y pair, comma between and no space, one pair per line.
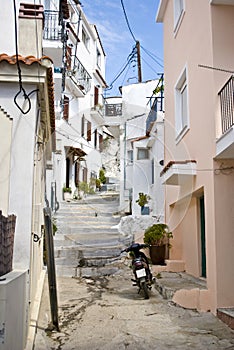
118,42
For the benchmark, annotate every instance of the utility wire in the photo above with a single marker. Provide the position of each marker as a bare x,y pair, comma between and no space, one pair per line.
129,60
152,56
126,18
21,90
149,65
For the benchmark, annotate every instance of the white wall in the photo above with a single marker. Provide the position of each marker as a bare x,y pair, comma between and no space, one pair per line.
21,175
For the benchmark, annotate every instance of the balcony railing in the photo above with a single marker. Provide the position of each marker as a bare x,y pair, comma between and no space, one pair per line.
152,116
227,104
79,75
52,29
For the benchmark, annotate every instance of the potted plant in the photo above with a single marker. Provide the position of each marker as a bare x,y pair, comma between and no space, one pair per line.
157,236
142,201
67,193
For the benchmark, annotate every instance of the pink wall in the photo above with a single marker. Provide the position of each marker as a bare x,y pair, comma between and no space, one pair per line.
204,37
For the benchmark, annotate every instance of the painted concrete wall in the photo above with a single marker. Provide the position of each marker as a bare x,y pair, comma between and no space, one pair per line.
5,156
211,46
137,175
21,186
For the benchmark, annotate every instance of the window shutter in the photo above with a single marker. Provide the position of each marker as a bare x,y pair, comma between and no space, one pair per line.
68,57
66,108
95,95
100,143
89,126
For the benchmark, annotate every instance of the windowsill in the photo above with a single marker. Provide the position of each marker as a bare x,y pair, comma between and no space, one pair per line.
182,133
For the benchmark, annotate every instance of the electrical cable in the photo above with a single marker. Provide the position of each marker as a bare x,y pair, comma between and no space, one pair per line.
149,65
129,60
22,90
151,56
126,18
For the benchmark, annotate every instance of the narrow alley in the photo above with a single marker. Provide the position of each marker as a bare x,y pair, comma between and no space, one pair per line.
100,309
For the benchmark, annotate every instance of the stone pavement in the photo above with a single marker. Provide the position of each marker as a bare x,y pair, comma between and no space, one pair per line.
105,312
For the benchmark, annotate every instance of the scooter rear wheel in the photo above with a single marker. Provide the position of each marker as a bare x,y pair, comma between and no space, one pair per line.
145,290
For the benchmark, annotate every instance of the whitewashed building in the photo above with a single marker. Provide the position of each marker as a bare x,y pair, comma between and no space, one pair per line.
27,140
141,150
79,59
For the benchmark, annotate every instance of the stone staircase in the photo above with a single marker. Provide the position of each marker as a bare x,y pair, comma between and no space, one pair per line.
87,242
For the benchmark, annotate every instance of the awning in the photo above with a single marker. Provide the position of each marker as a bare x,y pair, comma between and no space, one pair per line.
75,152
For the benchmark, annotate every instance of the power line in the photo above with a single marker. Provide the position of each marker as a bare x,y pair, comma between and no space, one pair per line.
129,61
149,65
151,55
126,18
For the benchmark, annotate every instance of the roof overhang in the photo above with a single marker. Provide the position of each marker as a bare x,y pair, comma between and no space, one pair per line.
76,153
179,172
161,10
100,78
43,77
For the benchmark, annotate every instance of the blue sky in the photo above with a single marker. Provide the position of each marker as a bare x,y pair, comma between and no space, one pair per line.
118,42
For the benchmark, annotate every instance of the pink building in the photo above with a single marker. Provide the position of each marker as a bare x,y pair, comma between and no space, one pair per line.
199,144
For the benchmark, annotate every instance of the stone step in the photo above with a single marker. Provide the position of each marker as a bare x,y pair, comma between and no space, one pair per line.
86,272
88,231
226,315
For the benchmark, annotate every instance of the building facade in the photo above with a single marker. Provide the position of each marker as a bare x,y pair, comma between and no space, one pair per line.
27,141
199,156
79,59
141,150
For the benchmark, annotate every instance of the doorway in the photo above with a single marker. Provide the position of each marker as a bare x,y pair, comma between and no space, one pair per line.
203,236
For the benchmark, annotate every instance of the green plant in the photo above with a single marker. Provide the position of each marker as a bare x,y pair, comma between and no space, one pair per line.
84,186
98,183
67,189
157,234
54,225
143,199
102,176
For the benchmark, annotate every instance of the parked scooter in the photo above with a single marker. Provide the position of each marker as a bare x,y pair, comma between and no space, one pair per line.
140,265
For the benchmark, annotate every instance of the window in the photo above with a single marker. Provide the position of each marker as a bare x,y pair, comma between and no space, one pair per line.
130,156
142,153
178,11
85,38
181,106
98,59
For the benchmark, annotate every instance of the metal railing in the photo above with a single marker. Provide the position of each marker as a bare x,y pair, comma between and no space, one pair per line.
226,95
152,116
52,29
79,74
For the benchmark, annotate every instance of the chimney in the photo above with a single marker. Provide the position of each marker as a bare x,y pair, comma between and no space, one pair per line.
30,30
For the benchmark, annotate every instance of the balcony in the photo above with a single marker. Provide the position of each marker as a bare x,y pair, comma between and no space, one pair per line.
97,113
222,2
156,104
52,29
152,116
225,144
80,80
179,172
97,110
